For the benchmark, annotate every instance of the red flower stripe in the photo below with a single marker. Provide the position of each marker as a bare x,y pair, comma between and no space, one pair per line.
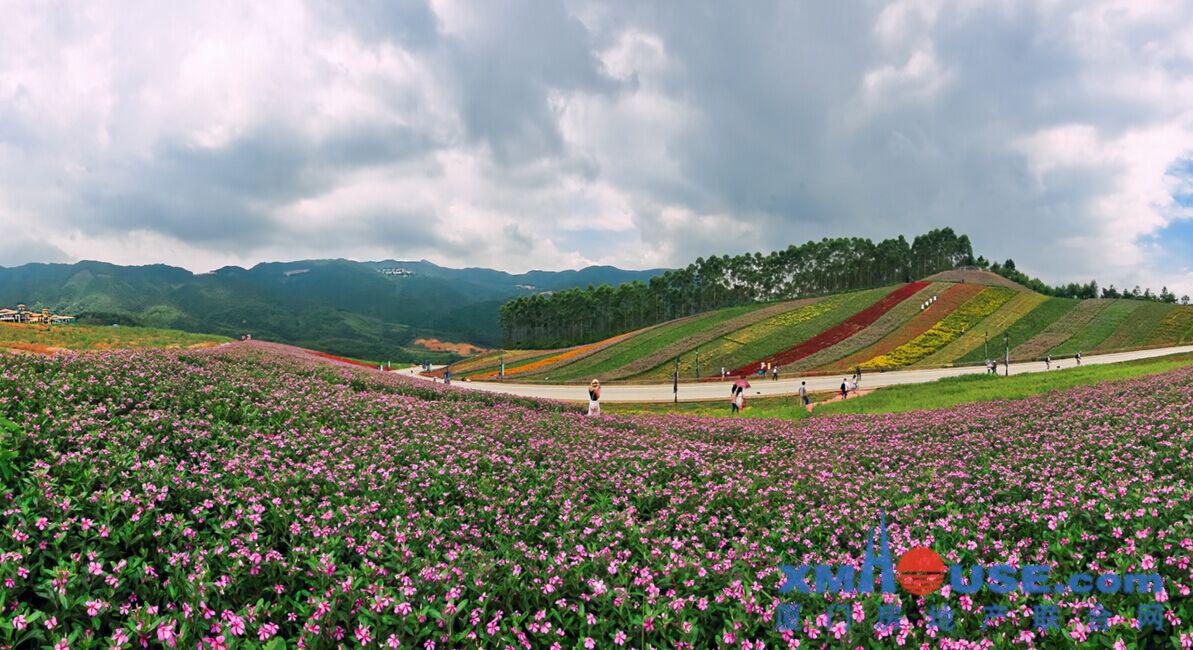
839,332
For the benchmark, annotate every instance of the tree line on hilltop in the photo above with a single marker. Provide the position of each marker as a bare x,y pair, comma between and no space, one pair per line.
1074,290
576,316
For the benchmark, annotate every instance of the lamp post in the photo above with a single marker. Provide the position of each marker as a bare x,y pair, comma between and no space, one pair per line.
697,366
986,343
675,381
1006,360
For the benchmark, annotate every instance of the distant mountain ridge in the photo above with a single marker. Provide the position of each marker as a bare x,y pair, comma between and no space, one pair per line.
341,306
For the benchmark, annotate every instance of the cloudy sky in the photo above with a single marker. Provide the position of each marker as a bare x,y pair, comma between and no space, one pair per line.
555,135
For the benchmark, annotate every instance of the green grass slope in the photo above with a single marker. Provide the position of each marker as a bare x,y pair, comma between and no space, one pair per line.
1023,329
1097,330
1133,331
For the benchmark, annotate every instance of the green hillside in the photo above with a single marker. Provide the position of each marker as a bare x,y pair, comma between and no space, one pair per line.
372,310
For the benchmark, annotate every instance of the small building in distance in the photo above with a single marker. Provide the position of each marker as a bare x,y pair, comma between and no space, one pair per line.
23,315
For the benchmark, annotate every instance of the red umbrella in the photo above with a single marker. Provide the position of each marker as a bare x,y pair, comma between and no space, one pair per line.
742,382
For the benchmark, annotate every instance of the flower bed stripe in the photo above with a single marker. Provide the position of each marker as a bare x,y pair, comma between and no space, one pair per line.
1099,329
944,332
992,327
1059,331
570,353
766,337
950,299
887,323
840,332
1175,329
1136,329
716,328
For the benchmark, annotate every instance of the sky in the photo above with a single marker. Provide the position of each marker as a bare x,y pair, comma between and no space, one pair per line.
556,135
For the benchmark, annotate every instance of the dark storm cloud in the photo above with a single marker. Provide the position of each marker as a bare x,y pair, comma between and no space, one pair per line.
226,195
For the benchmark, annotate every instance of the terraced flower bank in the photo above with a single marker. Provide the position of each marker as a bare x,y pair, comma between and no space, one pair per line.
1049,311
1175,329
640,355
887,323
952,298
550,361
838,332
947,330
1098,329
1133,332
216,500
1060,331
767,337
491,360
990,329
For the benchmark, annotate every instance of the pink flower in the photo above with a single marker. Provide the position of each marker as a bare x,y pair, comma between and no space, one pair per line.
18,622
62,645
619,638
362,635
267,631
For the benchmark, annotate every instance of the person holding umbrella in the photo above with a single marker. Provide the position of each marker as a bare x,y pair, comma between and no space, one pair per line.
738,394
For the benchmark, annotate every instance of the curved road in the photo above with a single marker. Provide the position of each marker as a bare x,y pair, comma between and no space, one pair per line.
765,387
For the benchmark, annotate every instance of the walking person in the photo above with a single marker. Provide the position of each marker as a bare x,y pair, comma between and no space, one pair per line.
1078,358
844,389
734,391
594,399
803,392
774,373
447,376
1048,362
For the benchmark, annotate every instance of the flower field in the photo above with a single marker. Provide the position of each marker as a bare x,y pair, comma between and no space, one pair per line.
765,338
951,327
953,297
542,363
991,328
841,331
1034,322
228,498
867,336
652,350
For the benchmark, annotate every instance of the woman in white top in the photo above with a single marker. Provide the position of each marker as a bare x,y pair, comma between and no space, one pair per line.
594,398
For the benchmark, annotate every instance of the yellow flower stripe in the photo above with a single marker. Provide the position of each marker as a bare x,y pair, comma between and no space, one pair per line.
945,331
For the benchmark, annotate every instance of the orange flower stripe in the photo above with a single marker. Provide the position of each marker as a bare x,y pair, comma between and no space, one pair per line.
562,356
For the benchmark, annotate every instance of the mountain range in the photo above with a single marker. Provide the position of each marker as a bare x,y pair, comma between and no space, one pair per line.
374,310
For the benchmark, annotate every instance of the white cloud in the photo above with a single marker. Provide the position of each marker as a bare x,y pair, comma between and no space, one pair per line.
523,136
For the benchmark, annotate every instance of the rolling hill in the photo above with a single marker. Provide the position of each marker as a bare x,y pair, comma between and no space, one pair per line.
956,317
372,310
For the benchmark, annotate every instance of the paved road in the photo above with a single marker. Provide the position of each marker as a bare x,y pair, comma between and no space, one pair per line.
788,386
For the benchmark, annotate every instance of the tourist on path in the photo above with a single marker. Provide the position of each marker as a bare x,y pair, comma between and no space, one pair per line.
803,392
1078,358
774,373
844,389
594,398
1048,362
